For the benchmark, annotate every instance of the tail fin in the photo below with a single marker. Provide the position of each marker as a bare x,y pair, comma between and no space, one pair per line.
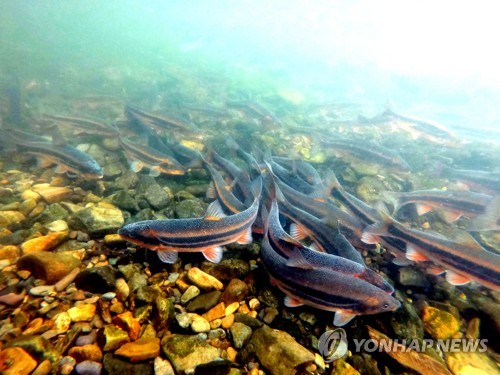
392,197
490,220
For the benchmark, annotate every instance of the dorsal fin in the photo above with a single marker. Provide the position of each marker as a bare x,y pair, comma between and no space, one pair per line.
214,211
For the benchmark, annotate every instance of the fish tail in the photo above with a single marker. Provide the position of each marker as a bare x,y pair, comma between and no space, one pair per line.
331,182
393,198
489,220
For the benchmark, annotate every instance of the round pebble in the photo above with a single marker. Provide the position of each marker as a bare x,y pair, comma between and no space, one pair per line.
200,325
88,368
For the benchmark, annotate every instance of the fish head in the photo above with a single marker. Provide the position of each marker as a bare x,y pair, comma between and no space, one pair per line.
138,233
380,302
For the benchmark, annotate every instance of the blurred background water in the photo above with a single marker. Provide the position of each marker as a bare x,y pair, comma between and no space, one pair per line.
431,59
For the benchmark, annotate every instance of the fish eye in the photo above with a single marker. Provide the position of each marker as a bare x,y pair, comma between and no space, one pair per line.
386,306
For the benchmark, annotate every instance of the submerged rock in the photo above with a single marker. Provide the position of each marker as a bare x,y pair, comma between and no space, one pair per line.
186,352
439,324
50,267
96,279
98,220
190,208
277,351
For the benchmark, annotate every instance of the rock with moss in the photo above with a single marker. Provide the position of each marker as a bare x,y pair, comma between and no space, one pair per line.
190,208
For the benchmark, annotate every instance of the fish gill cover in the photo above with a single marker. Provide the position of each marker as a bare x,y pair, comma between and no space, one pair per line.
177,177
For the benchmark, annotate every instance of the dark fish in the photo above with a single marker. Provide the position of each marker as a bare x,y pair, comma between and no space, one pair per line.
300,167
322,287
256,110
490,220
206,234
367,152
220,190
462,258
455,203
286,246
68,159
141,156
83,125
325,238
488,182
157,122
290,178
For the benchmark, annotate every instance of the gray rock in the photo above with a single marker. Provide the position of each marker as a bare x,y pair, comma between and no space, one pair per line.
88,368
128,180
125,201
96,279
204,302
116,366
277,351
52,213
129,270
190,208
156,197
247,320
137,281
227,269
146,294
114,169
240,333
186,352
413,277
217,333
97,220
165,310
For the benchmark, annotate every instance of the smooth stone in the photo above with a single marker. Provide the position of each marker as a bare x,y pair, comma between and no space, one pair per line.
118,366
216,312
187,352
10,217
27,206
48,266
42,290
183,319
470,363
165,310
236,291
82,313
9,252
227,321
44,368
199,324
191,292
163,367
203,280
277,351
439,324
122,289
90,352
16,361
96,279
140,350
62,322
66,280
113,337
247,320
138,281
87,339
53,194
88,368
57,226
204,301
128,180
156,197
413,277
108,296
227,270
98,220
125,201
52,213
240,333
190,208
44,243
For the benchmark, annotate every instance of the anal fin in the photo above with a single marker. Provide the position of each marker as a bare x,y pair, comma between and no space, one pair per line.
342,318
292,302
168,256
456,279
213,254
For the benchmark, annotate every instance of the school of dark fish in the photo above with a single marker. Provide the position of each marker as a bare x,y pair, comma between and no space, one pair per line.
313,228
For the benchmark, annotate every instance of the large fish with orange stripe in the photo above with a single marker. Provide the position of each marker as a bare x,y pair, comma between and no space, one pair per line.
207,234
320,280
462,258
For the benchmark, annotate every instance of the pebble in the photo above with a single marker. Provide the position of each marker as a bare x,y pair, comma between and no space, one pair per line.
217,333
16,361
190,293
439,324
44,368
114,337
66,280
240,333
172,278
122,289
270,313
82,313
10,217
96,279
62,322
203,280
90,352
87,339
163,367
44,243
42,290
108,296
183,319
127,322
227,321
199,324
9,252
52,194
254,304
204,301
140,350
57,226
231,354
88,368
231,308
217,312
98,220
235,291
48,266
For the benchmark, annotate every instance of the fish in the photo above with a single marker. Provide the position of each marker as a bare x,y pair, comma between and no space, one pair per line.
206,234
418,128
302,168
141,156
286,246
162,122
256,110
454,203
290,178
68,159
82,125
482,181
218,189
322,287
366,152
462,258
324,237
489,220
